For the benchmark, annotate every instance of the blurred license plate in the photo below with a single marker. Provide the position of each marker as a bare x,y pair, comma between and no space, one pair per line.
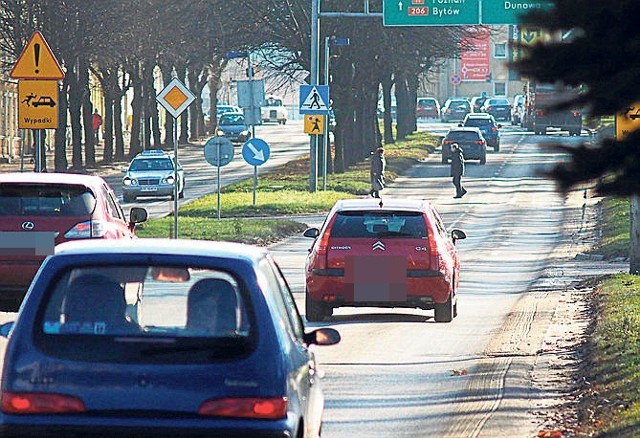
31,243
149,189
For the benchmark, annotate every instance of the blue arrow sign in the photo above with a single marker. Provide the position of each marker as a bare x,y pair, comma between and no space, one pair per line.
314,99
256,151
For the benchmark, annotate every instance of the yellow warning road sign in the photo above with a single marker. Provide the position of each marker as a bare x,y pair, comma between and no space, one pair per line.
314,124
37,104
627,120
37,61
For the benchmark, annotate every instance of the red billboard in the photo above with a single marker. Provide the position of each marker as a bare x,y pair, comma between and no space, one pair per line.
476,55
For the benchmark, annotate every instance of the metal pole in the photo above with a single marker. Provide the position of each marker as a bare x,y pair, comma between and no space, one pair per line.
175,178
315,37
253,127
38,151
325,134
218,176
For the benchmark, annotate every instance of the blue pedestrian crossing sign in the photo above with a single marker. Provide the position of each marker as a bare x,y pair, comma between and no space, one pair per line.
314,99
255,151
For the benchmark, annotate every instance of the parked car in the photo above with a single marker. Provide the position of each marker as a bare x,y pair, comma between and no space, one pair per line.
162,338
233,126
473,144
152,173
517,109
477,102
274,110
382,253
454,109
41,210
498,107
488,125
427,107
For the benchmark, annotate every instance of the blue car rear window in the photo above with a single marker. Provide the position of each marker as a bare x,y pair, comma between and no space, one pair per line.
145,313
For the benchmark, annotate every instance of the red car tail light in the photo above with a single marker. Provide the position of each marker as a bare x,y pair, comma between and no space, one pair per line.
272,408
576,113
89,229
448,142
539,113
494,129
40,403
479,142
434,254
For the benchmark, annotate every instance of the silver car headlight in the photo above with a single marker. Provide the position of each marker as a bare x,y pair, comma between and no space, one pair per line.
130,181
168,180
220,132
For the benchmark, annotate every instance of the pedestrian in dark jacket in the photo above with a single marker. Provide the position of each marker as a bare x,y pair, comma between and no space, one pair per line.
378,164
457,169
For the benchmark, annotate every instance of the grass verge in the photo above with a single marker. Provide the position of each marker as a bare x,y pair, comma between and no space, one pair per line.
615,235
611,405
281,192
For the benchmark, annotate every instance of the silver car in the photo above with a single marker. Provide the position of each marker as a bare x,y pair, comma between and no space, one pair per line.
151,173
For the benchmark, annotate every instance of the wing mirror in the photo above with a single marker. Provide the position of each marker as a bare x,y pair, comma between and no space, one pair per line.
311,232
137,215
457,234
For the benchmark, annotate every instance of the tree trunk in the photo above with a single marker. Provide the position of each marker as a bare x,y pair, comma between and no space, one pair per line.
634,242
387,83
75,104
87,113
60,154
184,117
169,120
137,106
117,128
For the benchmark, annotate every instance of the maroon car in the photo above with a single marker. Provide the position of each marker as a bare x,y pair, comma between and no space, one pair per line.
41,210
389,253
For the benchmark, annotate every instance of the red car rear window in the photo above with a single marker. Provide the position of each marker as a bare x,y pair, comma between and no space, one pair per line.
45,200
370,224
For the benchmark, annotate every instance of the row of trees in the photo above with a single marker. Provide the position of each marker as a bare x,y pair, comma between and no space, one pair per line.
122,43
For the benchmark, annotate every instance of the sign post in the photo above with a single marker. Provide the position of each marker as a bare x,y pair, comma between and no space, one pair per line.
218,151
255,152
175,98
38,72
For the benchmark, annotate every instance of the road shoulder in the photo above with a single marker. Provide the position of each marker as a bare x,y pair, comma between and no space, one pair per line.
525,384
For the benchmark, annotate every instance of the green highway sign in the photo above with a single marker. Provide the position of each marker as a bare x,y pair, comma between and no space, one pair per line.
510,12
430,12
458,12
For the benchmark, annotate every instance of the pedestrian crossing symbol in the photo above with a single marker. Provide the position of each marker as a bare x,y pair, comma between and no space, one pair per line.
314,99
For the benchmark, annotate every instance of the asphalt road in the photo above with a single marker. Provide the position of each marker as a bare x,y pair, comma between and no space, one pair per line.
392,373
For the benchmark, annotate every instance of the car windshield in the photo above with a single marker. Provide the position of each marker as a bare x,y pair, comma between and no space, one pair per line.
273,101
427,103
46,200
459,104
498,102
370,224
478,123
462,136
232,119
147,311
142,164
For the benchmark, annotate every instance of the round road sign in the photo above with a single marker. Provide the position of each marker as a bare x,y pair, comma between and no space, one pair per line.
255,151
218,151
455,80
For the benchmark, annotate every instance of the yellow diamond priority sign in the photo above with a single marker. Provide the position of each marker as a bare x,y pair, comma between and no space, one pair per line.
175,98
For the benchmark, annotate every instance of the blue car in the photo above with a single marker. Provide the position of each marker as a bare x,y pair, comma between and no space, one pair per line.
488,125
232,126
161,338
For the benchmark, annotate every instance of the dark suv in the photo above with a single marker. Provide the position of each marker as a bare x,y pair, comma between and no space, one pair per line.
488,125
473,144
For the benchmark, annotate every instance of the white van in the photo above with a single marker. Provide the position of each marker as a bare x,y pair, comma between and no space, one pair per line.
274,110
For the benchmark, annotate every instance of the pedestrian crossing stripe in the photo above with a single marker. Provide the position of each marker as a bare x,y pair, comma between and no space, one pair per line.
314,99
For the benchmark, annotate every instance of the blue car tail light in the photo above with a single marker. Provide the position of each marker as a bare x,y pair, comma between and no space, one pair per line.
40,403
273,408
